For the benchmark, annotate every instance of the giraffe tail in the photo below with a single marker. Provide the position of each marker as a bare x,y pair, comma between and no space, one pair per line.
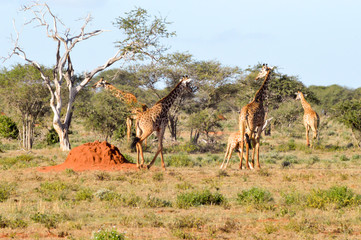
248,141
134,143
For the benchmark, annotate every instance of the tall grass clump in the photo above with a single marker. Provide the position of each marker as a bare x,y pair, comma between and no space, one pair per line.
338,196
197,198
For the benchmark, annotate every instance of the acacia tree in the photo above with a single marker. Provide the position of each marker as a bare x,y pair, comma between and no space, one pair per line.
142,40
349,113
24,93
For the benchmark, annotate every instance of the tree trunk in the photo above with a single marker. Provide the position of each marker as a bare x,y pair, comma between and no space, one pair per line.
62,131
196,136
173,123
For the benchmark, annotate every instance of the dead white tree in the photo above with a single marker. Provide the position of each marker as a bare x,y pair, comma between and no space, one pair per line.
142,40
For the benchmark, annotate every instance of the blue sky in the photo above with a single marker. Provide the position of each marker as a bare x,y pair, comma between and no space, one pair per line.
317,40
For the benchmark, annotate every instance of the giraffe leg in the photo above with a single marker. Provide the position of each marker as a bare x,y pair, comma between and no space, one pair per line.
315,134
307,139
241,154
140,149
229,157
129,126
240,158
257,153
242,129
253,153
160,135
225,156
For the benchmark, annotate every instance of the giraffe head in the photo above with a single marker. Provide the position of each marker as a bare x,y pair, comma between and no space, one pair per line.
185,81
100,83
264,71
299,95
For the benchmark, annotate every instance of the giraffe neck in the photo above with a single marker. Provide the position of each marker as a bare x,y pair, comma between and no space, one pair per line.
260,95
305,104
119,94
168,100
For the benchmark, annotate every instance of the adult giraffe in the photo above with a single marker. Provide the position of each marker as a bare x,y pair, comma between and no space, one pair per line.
156,119
129,99
252,116
310,118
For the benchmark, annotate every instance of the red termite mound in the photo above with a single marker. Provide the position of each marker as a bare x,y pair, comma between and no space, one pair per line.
93,156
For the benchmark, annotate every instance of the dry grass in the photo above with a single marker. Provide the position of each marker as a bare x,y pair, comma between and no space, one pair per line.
142,205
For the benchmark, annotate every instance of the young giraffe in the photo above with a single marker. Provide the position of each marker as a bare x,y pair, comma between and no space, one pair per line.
129,99
310,118
156,119
234,141
252,116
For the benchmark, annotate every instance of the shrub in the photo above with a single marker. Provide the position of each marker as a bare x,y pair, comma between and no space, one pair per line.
187,222
107,195
5,190
108,235
254,196
49,220
85,194
8,128
196,198
154,202
52,137
340,196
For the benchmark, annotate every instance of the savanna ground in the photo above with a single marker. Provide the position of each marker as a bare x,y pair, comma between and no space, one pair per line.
300,193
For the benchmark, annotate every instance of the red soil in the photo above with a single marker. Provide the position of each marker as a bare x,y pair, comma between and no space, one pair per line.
93,156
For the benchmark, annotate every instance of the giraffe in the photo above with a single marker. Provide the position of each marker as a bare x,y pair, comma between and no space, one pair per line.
234,141
129,99
252,116
156,119
310,118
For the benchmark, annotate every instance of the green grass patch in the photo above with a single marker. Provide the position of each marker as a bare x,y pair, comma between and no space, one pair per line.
181,160
197,198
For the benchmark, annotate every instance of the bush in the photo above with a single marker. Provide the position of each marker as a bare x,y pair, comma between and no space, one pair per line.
52,137
5,190
108,235
187,222
254,196
107,195
154,202
16,223
340,196
85,194
49,220
196,198
8,128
